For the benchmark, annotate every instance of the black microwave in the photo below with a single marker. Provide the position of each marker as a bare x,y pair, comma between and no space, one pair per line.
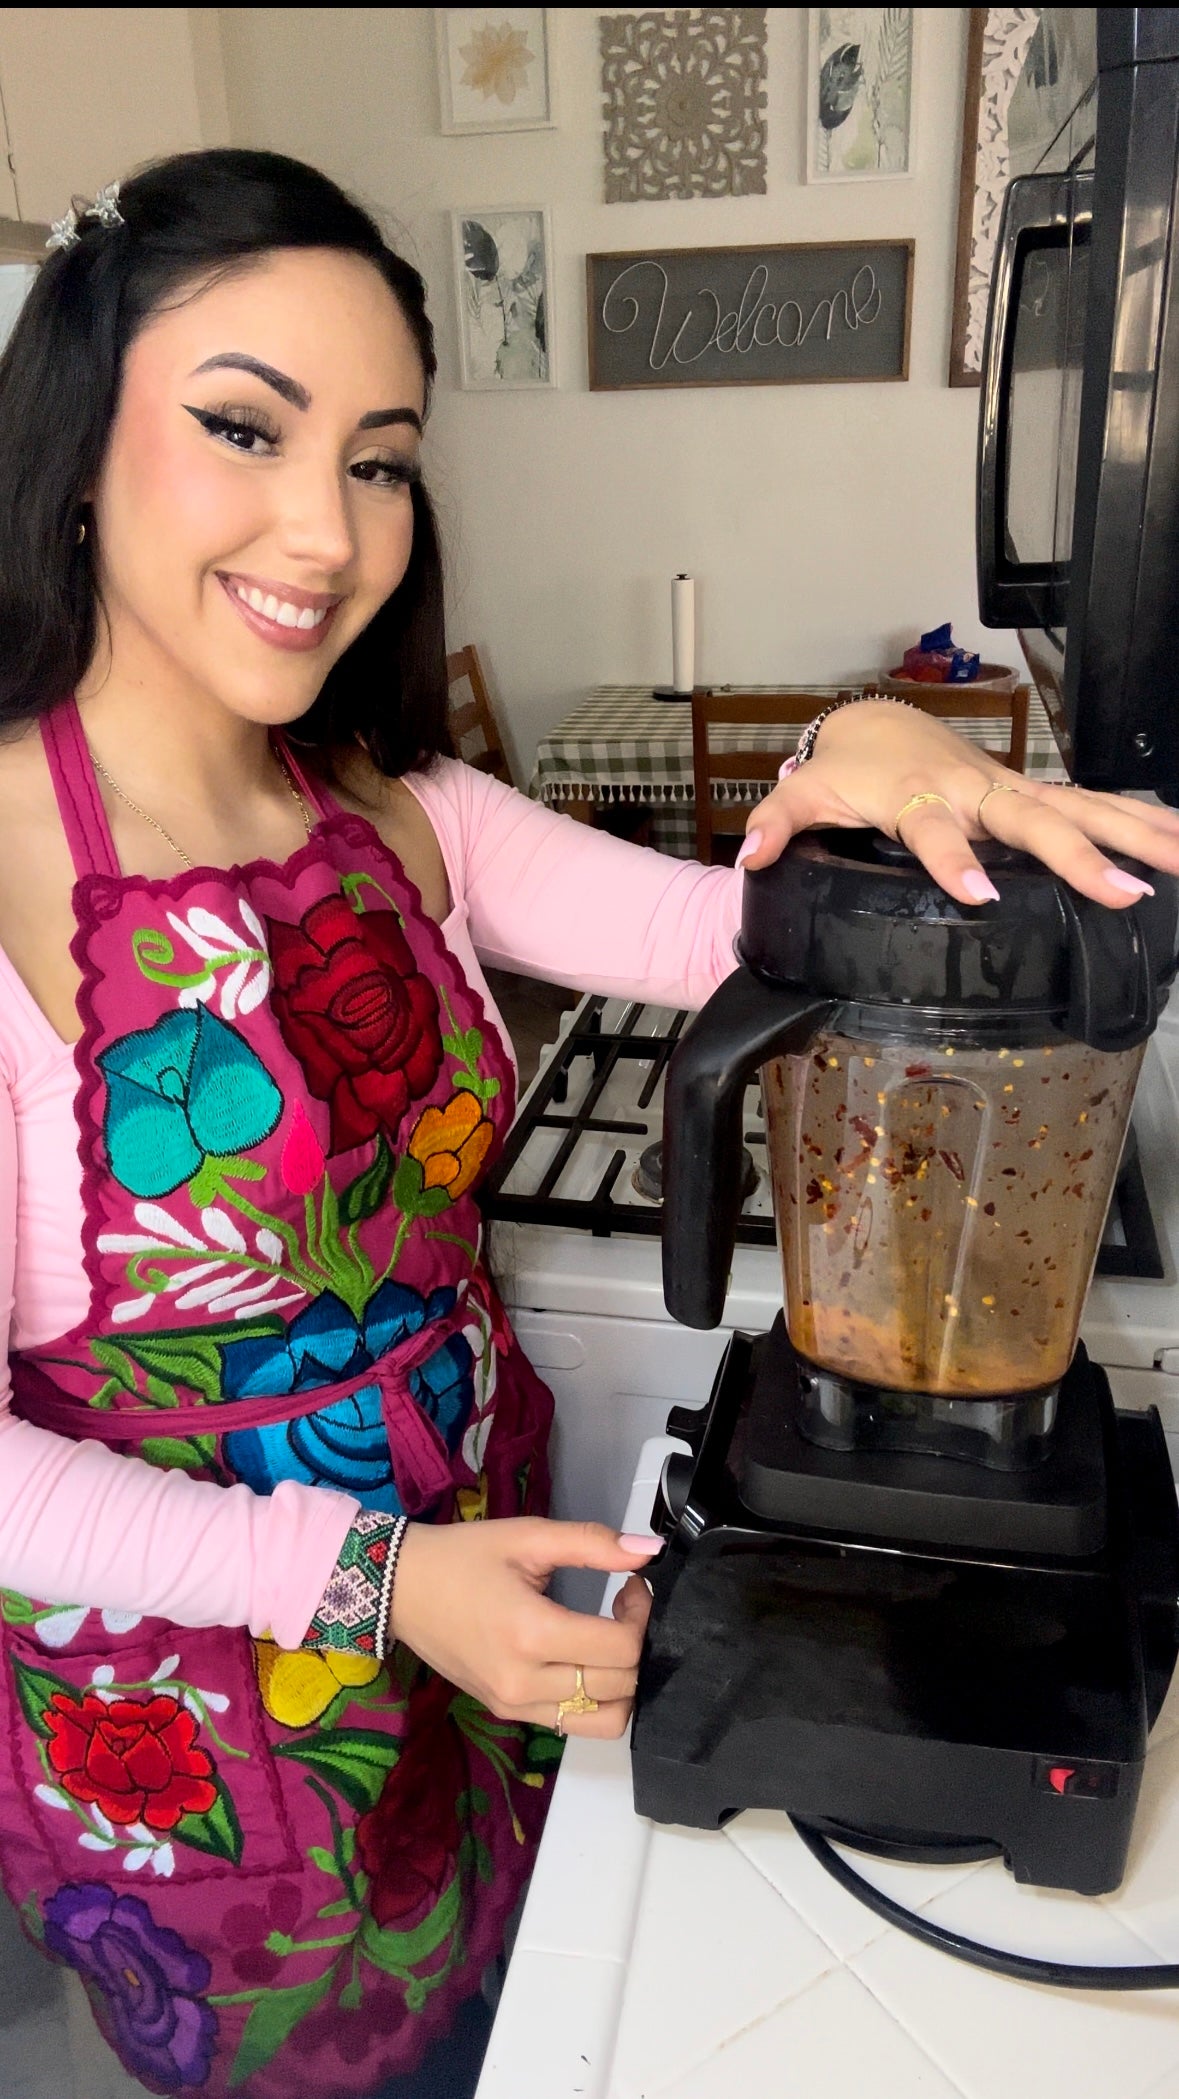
1078,470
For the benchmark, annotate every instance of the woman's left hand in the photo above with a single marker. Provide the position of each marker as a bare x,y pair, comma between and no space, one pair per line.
871,759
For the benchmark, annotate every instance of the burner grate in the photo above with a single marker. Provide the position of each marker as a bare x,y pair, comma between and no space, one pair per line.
1130,1246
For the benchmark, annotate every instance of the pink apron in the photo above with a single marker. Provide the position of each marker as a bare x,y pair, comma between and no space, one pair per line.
275,1873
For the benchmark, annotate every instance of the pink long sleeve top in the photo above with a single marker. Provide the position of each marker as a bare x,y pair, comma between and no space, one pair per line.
82,1524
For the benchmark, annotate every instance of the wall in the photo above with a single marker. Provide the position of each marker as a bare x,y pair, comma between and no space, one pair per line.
90,91
825,524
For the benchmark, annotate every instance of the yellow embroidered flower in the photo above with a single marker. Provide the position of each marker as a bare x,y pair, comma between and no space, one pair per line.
497,61
450,1144
297,1687
472,1501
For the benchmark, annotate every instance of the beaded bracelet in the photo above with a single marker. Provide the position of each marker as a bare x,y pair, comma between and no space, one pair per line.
806,743
385,1603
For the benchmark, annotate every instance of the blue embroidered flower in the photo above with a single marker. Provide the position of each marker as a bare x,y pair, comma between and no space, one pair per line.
177,1093
343,1445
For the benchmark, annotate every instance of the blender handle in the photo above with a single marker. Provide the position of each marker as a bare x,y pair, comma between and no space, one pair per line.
745,1023
1113,999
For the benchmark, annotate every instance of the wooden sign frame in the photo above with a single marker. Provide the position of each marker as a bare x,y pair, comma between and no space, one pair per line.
747,315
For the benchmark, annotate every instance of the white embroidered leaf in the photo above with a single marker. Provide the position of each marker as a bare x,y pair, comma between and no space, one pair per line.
128,1243
197,994
132,1308
216,1701
203,1292
141,1833
104,1827
133,1860
58,1629
93,1843
222,1230
207,948
104,1674
154,1218
163,1860
248,1296
269,1245
194,1706
253,923
185,1277
273,1304
52,1797
121,1621
214,928
167,1667
231,987
255,990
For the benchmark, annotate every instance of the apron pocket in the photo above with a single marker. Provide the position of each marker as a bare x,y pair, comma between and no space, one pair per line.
147,1758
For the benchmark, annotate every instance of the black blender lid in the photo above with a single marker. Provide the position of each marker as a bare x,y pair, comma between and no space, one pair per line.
852,916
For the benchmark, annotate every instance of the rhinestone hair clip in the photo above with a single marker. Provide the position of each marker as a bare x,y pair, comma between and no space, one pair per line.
105,208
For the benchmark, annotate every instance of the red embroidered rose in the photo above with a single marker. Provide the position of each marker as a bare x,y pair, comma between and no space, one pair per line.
135,1760
408,1843
357,1013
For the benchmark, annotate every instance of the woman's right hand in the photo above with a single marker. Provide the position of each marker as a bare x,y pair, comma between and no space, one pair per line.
469,1600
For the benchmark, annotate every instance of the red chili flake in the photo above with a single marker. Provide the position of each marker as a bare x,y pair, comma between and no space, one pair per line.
814,1193
954,1163
820,1063
925,1216
1097,1098
1082,1156
1008,1172
865,1129
988,1209
918,1071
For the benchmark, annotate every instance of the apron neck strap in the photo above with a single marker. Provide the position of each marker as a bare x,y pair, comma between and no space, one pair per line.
322,800
71,769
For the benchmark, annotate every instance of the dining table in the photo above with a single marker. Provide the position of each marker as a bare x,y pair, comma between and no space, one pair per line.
620,745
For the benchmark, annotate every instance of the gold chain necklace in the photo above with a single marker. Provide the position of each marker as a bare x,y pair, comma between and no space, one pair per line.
304,811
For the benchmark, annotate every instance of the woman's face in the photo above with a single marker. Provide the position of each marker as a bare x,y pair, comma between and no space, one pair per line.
254,508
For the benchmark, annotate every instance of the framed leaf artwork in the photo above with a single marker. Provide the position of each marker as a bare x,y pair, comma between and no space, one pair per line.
860,80
503,272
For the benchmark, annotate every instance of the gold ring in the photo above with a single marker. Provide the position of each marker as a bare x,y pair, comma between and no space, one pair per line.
917,801
581,1702
996,787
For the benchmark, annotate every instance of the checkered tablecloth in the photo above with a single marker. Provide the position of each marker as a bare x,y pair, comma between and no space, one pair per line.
621,745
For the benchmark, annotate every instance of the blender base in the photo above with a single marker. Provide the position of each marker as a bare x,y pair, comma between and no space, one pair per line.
904,1697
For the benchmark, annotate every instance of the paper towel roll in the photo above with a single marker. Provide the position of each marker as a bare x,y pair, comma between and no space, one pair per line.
683,633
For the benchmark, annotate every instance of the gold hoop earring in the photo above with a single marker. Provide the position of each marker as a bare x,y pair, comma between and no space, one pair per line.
81,530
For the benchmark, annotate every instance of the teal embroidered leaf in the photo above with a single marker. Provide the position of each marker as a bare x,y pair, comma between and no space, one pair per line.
272,2021
217,1832
356,1761
36,1690
362,1198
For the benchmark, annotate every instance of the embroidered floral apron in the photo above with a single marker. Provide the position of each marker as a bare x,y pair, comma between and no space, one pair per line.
275,1873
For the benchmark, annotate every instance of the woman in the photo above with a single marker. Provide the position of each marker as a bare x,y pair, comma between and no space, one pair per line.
281,1715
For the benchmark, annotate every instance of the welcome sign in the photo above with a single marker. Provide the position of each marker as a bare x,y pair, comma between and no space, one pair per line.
813,312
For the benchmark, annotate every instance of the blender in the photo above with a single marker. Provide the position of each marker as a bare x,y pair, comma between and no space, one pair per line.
921,1576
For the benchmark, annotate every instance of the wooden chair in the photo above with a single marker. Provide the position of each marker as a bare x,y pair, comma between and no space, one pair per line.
472,723
720,825
971,703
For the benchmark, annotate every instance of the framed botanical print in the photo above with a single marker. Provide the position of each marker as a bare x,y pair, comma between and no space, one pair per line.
493,69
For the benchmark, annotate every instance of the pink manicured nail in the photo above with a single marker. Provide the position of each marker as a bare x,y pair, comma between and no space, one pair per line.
632,1542
754,841
1128,884
979,886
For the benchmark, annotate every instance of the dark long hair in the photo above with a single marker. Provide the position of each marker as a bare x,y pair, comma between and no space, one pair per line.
187,219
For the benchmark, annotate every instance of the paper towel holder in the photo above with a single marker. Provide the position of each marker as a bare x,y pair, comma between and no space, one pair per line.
683,643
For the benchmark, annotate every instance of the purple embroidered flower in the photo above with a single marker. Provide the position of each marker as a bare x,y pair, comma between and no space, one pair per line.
150,1982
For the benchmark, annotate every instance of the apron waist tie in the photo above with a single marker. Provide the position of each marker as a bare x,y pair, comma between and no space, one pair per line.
421,1462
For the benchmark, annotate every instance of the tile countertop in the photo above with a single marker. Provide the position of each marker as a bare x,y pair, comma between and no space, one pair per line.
658,1963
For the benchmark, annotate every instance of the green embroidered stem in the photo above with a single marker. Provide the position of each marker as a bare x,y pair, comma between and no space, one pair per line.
303,1272
453,1239
282,1943
154,951
166,1685
343,1865
354,883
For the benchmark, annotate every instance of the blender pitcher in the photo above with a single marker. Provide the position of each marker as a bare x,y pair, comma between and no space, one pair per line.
946,1091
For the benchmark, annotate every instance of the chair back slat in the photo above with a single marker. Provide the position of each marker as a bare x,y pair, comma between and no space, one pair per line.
472,719
719,817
